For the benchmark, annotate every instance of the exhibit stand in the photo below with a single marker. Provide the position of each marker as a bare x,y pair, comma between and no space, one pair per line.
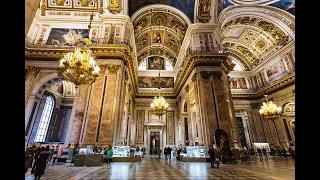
193,154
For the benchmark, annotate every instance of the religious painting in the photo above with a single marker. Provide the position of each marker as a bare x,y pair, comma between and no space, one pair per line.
186,6
287,5
157,36
237,83
69,37
156,63
275,70
222,4
153,82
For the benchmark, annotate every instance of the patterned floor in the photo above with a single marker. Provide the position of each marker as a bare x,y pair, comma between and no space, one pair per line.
275,168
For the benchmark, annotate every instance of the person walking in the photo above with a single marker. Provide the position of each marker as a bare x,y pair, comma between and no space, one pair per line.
169,152
55,154
41,162
259,153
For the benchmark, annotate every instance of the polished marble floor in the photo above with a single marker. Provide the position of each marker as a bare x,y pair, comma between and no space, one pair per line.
151,167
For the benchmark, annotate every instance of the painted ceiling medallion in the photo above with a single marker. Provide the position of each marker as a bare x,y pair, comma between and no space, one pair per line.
261,44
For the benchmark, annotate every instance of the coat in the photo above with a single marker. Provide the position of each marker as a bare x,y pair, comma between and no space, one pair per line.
110,153
41,163
28,155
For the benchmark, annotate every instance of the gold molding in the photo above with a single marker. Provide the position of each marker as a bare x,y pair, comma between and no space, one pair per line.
60,2
204,11
114,6
32,70
43,8
113,69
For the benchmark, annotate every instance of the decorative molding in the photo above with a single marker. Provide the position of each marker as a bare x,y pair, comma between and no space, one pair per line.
60,2
113,69
114,6
101,7
126,76
208,74
204,11
43,8
194,77
84,3
32,70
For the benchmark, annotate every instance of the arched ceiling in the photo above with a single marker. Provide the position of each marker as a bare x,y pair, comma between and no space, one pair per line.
252,38
159,30
186,6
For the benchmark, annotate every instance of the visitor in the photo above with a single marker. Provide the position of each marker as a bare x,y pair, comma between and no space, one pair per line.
41,162
284,152
259,153
110,155
211,153
55,154
169,149
264,151
165,152
291,151
105,156
51,153
36,155
28,157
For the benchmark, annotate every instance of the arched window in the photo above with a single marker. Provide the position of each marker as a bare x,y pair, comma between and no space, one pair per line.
45,120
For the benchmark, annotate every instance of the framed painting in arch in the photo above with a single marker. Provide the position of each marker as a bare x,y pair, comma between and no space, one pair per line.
155,63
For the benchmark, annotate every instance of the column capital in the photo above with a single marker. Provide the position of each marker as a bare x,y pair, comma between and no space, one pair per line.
113,69
254,105
208,74
194,77
32,70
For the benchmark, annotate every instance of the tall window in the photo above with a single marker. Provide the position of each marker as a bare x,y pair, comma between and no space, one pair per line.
143,65
45,120
237,67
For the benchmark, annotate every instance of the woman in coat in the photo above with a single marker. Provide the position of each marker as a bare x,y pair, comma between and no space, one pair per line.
110,155
28,155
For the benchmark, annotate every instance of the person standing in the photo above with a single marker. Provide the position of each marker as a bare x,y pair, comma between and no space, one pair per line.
55,154
259,153
211,153
41,162
165,151
291,151
28,157
264,151
110,155
169,152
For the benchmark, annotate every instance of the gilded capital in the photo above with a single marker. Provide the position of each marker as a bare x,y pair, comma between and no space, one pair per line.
32,70
113,69
204,11
254,105
103,68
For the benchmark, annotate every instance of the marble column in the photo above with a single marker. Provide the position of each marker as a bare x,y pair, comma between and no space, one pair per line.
31,72
31,7
77,115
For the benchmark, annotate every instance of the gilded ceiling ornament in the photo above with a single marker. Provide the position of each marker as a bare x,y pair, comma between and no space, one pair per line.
194,77
159,19
261,44
275,32
43,8
247,55
84,3
143,41
32,70
114,6
186,88
60,2
204,11
178,28
140,25
113,69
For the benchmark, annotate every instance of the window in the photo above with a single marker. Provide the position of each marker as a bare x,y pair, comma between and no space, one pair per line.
237,67
168,65
143,65
45,120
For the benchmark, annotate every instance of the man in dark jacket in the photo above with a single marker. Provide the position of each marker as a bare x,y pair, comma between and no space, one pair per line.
211,153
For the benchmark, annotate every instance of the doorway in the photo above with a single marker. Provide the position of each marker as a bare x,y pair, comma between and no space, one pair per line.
154,142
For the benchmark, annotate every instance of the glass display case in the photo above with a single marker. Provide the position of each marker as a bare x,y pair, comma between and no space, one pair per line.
194,152
121,151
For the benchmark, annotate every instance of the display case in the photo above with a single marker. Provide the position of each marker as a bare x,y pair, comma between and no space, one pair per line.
121,151
194,152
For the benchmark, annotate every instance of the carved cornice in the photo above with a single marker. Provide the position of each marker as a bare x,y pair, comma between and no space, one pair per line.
276,86
113,69
100,51
32,70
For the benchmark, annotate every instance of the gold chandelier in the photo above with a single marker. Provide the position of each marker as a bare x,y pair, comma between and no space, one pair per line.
270,110
79,67
159,106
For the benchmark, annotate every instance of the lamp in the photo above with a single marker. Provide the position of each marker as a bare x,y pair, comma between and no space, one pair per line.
270,111
79,67
159,106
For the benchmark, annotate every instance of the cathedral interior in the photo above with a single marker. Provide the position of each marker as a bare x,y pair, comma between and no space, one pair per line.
213,61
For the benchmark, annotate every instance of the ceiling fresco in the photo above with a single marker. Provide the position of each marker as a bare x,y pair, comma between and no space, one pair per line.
186,6
287,5
159,32
252,38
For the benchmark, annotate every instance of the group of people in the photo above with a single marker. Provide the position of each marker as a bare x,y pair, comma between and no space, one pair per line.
264,151
37,159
